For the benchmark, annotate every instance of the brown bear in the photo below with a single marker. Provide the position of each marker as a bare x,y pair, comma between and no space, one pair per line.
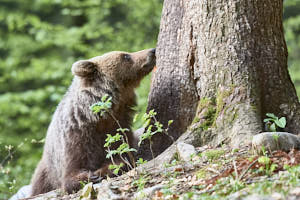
73,150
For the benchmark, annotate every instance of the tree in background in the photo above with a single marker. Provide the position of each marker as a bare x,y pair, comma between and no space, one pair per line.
291,24
40,39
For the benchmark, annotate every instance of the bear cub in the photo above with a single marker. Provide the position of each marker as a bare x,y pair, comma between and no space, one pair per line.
73,150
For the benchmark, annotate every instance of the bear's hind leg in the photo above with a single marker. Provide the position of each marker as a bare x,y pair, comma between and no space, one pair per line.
40,182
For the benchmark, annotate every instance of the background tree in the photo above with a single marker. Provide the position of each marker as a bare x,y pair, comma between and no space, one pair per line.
40,40
223,63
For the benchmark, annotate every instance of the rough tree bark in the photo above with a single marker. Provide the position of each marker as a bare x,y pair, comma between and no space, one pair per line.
221,65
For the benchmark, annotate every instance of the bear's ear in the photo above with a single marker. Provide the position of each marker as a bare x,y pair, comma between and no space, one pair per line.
83,68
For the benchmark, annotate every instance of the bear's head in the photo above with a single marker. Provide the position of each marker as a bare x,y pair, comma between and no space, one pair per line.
123,68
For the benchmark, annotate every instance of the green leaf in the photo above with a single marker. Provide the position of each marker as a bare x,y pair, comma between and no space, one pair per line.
170,122
152,113
264,160
111,153
147,122
141,161
267,120
273,167
102,106
87,191
112,139
132,149
273,128
271,115
123,130
281,122
135,118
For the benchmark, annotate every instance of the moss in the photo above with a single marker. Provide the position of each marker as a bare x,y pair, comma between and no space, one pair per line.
221,105
214,154
209,117
209,109
206,111
203,103
221,95
196,120
235,116
202,174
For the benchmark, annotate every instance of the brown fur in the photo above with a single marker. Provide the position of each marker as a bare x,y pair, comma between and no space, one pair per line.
73,150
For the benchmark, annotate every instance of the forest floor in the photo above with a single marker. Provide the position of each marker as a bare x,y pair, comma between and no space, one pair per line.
221,173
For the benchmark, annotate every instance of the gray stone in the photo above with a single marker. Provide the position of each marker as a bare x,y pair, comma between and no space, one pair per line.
23,192
275,141
147,193
258,197
185,151
106,191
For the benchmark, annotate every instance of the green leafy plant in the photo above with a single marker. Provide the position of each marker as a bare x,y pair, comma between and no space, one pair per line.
88,192
214,154
268,167
116,168
153,129
140,182
102,108
141,161
273,122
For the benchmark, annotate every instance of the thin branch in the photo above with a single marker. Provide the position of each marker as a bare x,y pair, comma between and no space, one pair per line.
166,130
235,170
126,138
111,158
10,154
244,172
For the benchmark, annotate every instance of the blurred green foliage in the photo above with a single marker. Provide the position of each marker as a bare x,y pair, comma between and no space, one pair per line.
292,36
39,41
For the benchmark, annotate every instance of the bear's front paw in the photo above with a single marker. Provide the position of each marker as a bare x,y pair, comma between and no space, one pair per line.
70,186
73,182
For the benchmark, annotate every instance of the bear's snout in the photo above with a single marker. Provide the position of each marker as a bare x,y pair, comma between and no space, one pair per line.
151,59
151,54
153,51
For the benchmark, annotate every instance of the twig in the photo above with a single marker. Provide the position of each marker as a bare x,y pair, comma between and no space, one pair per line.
235,170
126,161
166,130
10,154
126,138
150,143
244,172
261,179
111,158
213,170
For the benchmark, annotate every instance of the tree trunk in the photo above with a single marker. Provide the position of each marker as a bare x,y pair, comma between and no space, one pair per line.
221,65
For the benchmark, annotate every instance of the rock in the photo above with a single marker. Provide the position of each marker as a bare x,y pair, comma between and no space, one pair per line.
295,192
238,195
23,192
147,193
55,194
106,191
275,141
258,197
185,151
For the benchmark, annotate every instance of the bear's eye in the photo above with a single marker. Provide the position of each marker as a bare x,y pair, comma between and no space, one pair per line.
127,57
